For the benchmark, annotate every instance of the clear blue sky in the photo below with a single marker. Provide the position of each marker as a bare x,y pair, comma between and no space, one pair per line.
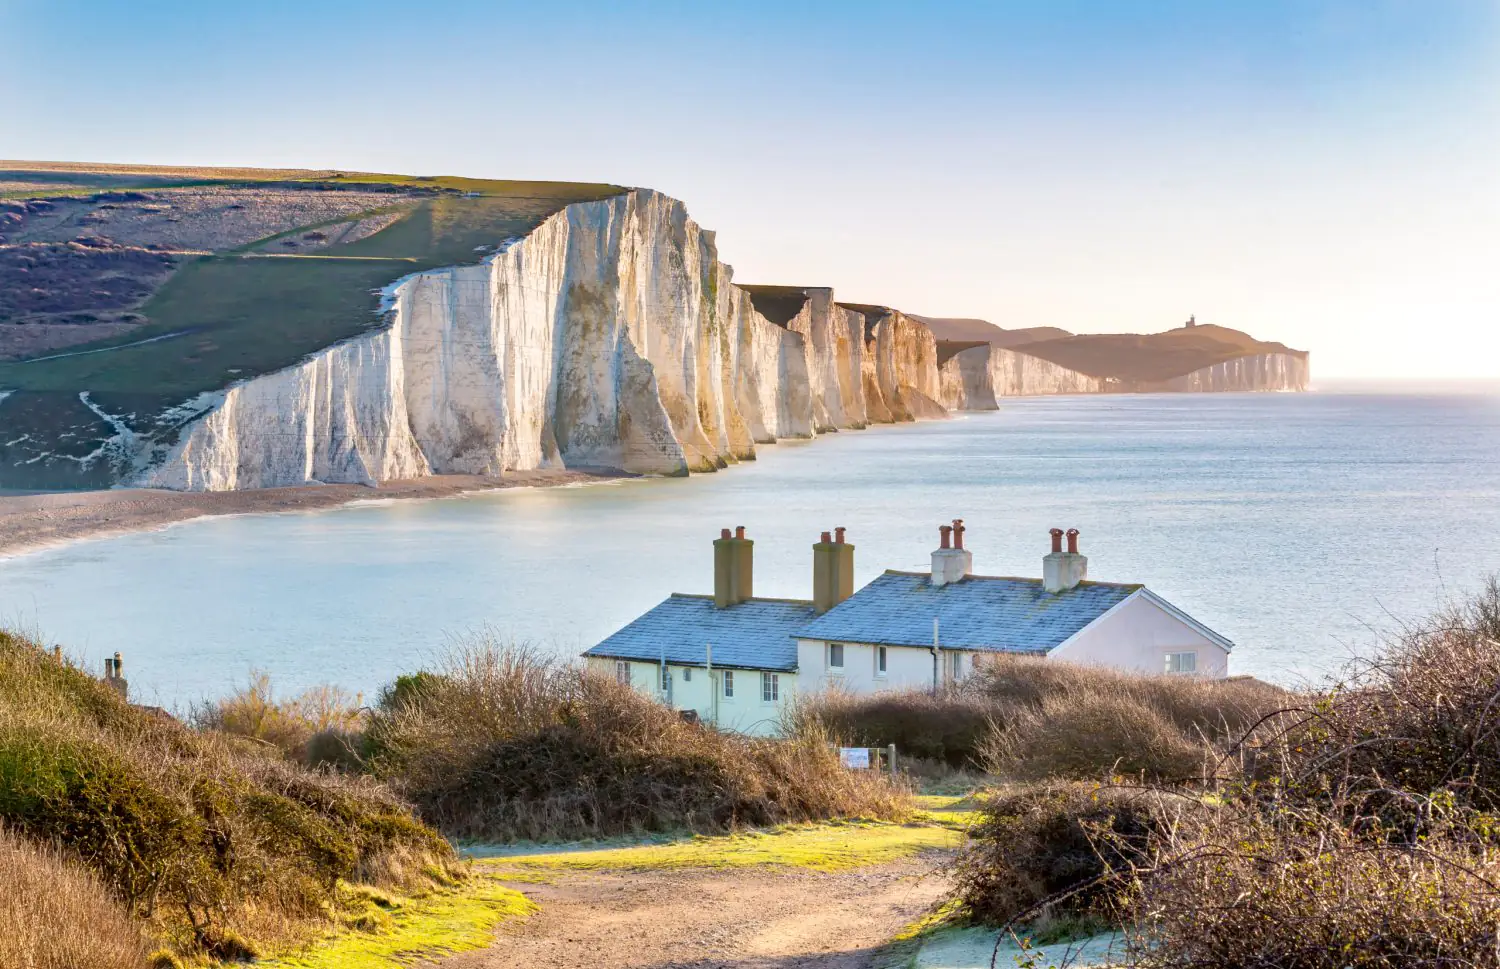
1324,172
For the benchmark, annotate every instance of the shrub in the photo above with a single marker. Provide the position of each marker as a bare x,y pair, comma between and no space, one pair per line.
288,725
55,915
505,744
948,727
218,844
1057,851
1087,733
1252,892
1054,717
1363,830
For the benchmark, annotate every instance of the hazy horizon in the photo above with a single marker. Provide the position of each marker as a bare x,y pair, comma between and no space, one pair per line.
1318,173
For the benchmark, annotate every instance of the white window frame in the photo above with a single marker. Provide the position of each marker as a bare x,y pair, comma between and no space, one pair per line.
1176,667
622,672
728,684
882,665
836,650
770,687
955,666
687,674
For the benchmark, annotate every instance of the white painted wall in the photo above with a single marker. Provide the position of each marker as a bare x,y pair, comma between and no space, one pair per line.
907,667
745,712
1137,635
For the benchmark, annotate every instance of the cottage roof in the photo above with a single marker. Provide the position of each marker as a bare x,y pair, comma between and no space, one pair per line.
978,613
755,634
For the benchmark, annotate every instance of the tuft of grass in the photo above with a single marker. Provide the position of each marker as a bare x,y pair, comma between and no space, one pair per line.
55,915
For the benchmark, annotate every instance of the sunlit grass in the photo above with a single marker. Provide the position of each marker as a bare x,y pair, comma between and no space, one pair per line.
400,932
831,846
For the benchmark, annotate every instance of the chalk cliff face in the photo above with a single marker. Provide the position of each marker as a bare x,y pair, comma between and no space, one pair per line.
968,381
1258,372
610,336
1015,374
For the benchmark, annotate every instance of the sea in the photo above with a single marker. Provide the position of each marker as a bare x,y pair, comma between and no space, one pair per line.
1307,528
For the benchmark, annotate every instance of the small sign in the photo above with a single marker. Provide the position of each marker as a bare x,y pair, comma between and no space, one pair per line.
855,757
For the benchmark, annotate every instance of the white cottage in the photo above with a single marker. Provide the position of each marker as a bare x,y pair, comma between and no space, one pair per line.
737,660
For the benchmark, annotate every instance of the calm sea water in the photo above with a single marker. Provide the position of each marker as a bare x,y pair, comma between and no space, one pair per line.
1297,525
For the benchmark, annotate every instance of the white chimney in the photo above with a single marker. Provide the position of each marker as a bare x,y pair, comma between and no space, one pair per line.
1061,570
951,562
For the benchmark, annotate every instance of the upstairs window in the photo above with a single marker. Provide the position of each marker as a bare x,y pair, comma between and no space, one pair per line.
622,672
770,687
728,684
1182,662
836,656
879,660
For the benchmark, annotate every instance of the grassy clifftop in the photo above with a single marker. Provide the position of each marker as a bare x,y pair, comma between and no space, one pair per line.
147,285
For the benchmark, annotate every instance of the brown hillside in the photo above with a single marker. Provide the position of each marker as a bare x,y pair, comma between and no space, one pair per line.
959,330
1146,358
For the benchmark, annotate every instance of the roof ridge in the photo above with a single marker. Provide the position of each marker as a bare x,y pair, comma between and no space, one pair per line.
1022,578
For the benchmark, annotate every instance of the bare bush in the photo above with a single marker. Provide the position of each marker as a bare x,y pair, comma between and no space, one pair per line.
1087,733
948,727
502,743
289,725
55,915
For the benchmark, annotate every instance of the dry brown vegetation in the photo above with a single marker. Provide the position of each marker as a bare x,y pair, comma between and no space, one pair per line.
1025,718
1355,827
502,744
55,915
216,844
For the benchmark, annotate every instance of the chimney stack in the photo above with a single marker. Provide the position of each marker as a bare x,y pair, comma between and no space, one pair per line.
734,568
833,570
951,564
1061,570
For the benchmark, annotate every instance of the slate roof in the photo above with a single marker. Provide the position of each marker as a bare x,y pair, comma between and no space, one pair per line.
755,634
979,613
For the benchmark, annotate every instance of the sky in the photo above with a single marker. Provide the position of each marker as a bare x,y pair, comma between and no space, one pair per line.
1321,172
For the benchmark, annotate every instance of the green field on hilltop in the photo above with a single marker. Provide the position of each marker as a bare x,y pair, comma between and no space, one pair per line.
236,314
241,311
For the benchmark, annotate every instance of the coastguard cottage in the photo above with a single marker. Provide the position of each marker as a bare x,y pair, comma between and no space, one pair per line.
736,660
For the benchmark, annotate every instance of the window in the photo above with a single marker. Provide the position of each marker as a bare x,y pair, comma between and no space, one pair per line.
666,682
1182,662
879,660
687,674
836,656
956,665
770,687
622,672
729,684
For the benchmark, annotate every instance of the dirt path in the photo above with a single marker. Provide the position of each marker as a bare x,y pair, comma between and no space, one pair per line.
745,918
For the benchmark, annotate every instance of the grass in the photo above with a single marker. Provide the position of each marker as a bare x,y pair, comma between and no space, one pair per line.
826,847
55,915
417,930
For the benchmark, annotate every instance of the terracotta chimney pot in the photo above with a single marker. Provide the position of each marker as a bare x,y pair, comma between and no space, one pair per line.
1072,541
838,535
1057,534
946,531
739,531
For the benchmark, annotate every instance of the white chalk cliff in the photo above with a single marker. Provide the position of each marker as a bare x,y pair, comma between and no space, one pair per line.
611,336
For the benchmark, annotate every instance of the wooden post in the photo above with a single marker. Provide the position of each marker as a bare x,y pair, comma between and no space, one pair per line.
890,754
